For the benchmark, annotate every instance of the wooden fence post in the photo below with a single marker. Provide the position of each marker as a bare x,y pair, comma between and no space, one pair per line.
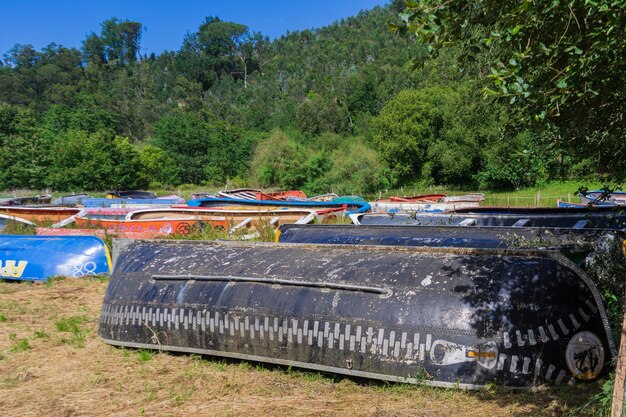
617,405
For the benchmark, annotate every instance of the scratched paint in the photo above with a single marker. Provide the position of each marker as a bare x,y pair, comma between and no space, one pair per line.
324,307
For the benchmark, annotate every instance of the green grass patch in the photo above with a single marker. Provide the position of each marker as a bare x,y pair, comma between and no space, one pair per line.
73,325
145,355
40,334
18,228
21,346
3,318
53,280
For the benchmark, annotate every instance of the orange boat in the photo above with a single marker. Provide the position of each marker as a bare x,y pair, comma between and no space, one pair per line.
246,224
41,215
151,228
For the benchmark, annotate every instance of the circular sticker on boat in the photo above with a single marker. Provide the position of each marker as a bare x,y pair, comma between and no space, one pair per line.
585,356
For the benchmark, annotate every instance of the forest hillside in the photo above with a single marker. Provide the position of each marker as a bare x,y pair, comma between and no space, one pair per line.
352,107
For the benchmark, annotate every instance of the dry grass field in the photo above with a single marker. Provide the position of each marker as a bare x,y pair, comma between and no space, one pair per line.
52,363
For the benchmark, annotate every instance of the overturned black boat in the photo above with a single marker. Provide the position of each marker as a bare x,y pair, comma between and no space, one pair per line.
571,242
566,218
440,316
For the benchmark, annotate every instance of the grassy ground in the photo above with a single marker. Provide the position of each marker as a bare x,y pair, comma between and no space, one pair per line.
52,363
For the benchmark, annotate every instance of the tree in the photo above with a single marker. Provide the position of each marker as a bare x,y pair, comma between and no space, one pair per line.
560,62
119,43
405,128
318,114
204,151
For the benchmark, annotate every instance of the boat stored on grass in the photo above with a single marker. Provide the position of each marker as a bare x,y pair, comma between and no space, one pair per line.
130,202
603,197
463,318
476,197
572,218
6,221
24,201
37,258
152,228
61,231
95,213
253,195
569,205
70,200
568,241
425,207
422,199
234,204
131,194
42,215
246,224
540,210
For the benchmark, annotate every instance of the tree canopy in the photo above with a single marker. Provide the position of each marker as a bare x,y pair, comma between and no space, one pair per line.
338,108
559,63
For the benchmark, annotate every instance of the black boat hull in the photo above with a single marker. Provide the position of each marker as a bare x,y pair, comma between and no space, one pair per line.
443,317
572,220
564,240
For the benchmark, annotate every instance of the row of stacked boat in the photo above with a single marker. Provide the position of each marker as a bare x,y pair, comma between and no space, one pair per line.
465,298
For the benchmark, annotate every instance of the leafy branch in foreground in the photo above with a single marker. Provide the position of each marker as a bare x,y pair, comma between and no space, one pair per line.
559,62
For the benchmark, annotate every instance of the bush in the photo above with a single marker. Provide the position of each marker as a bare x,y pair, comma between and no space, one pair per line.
436,134
357,169
203,151
513,162
95,161
279,161
159,167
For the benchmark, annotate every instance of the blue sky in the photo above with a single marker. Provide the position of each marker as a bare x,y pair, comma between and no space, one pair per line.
66,22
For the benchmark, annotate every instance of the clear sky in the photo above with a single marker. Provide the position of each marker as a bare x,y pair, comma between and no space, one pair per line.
66,22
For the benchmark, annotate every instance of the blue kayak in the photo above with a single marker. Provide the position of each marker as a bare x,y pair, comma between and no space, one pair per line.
37,258
566,204
352,207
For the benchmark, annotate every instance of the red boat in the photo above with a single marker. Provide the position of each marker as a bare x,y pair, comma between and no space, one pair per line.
425,198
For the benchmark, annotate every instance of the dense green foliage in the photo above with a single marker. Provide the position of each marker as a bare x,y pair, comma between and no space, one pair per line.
560,63
338,108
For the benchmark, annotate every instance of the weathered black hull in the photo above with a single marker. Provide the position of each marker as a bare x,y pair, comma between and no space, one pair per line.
479,237
575,220
537,211
459,318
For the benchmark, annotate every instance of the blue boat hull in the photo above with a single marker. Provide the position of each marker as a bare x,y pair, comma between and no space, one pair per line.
37,258
353,207
564,204
118,202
